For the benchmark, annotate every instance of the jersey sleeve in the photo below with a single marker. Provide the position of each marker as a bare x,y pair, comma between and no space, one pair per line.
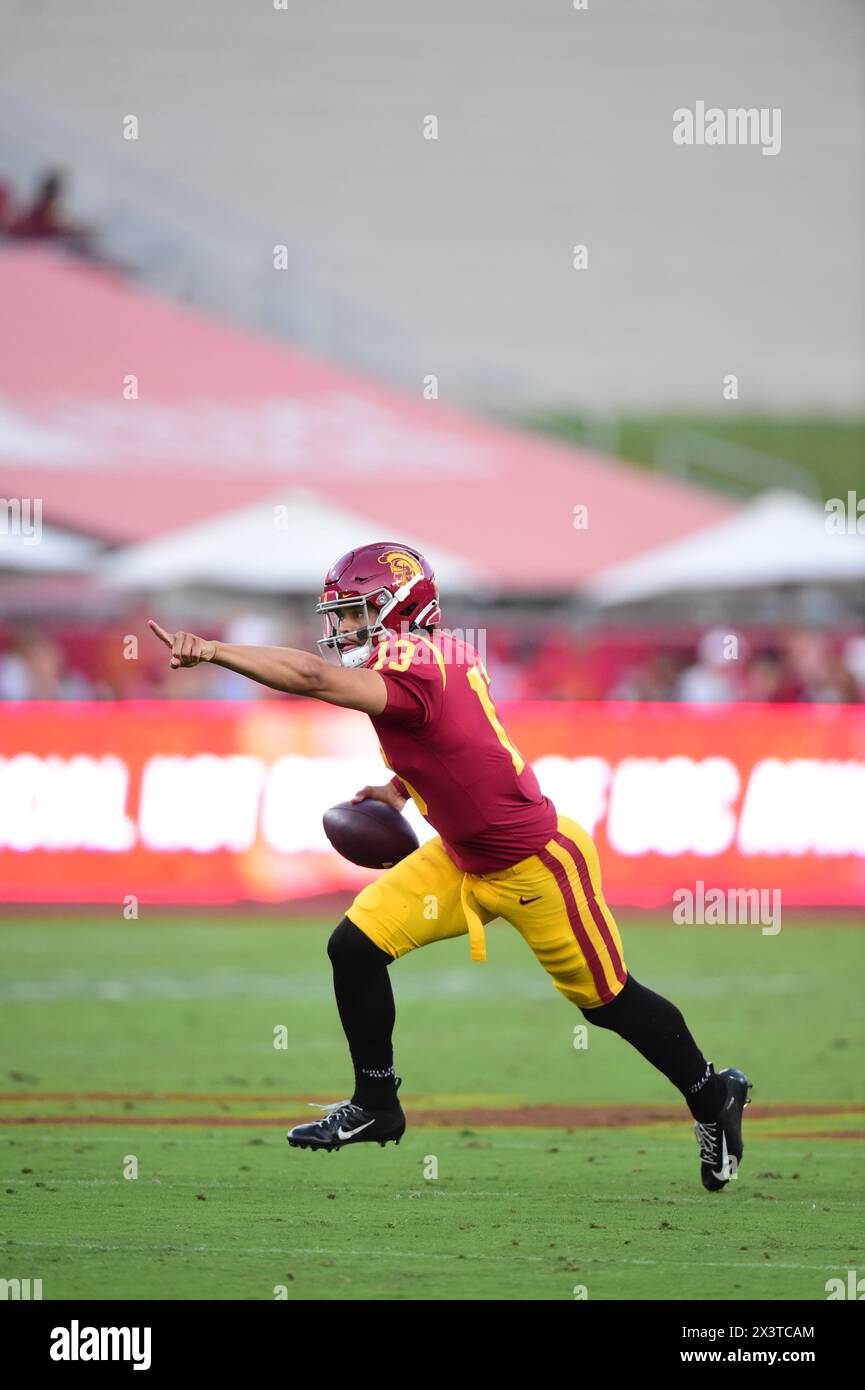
413,671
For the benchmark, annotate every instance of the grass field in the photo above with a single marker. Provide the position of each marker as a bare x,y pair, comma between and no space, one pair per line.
557,1168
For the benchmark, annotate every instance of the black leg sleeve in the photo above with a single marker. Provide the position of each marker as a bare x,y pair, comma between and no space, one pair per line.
367,1011
656,1028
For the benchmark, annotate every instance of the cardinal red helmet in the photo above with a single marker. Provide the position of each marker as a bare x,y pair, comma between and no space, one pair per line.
396,587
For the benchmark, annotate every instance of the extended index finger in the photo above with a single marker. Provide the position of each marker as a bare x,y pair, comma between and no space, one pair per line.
160,632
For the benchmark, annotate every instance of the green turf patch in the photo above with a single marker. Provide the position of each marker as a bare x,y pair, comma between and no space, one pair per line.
511,1214
136,1021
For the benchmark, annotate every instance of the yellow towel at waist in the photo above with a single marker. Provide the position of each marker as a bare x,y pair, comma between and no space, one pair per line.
477,940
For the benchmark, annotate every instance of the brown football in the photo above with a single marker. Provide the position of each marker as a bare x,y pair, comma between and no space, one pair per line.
369,833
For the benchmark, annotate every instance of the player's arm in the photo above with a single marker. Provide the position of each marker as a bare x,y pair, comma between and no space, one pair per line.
282,668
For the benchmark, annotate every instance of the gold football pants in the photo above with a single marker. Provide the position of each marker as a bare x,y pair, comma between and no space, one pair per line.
553,898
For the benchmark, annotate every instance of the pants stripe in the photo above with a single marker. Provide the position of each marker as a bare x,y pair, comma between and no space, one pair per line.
600,921
584,940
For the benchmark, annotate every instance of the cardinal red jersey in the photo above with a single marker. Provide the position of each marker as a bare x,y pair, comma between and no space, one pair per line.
440,733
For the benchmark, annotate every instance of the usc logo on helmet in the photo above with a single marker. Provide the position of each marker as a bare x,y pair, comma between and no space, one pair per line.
403,566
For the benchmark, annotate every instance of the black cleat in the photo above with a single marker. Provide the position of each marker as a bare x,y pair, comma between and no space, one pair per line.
347,1123
720,1141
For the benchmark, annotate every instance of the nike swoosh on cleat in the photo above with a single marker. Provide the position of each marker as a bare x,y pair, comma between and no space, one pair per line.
725,1162
350,1133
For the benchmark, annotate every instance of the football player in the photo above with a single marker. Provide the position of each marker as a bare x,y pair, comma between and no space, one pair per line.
502,848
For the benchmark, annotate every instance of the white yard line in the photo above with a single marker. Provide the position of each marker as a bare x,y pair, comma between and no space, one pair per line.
341,1252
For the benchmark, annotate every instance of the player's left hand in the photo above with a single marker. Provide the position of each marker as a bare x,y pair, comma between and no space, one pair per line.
186,648
387,793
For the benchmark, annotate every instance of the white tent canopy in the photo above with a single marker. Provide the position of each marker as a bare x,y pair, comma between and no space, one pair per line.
779,538
282,543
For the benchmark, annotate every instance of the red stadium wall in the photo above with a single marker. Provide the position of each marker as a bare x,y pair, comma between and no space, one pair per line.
188,802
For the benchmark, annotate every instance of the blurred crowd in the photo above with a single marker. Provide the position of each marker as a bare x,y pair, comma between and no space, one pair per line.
718,666
124,661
